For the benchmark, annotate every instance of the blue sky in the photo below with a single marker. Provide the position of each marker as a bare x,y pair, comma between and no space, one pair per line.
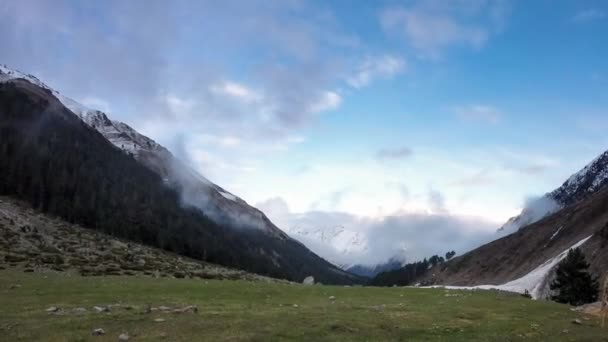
461,108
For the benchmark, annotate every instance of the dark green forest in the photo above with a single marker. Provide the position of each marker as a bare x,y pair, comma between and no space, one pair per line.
410,273
52,160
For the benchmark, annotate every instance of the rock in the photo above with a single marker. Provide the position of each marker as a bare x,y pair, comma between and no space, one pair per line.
164,308
101,308
189,308
577,321
80,310
565,331
332,298
295,305
52,309
123,337
98,332
15,286
310,280
159,320
379,308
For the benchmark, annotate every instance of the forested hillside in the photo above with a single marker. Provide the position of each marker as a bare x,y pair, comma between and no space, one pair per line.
61,166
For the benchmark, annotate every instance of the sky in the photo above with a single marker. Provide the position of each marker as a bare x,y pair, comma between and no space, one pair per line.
405,120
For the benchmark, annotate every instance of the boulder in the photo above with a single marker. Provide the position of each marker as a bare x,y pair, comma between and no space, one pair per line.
310,280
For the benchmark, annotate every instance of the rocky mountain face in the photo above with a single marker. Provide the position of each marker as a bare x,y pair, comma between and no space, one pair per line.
526,259
581,185
80,158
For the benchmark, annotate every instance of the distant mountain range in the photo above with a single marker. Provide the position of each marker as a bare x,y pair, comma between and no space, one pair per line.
237,234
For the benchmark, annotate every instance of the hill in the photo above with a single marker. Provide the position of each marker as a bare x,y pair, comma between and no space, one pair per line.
525,260
62,166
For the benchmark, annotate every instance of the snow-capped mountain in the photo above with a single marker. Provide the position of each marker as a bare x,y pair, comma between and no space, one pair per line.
196,190
581,185
341,240
344,247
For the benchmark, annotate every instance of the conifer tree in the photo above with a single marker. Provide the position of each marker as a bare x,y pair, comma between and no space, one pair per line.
573,283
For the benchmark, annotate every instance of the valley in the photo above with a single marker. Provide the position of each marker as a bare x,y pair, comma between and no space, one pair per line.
144,308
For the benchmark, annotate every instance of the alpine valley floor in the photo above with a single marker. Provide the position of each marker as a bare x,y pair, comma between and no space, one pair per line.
61,307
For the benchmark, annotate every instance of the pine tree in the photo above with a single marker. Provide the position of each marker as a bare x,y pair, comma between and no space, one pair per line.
573,283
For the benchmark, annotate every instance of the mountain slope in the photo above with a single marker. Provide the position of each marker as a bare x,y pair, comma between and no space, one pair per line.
579,186
195,190
525,260
60,165
32,241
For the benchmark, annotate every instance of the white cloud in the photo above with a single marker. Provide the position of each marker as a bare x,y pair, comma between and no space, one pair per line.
369,240
327,101
430,27
588,15
236,90
431,33
479,112
96,103
385,67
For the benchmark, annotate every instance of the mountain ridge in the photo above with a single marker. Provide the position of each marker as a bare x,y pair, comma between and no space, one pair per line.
26,105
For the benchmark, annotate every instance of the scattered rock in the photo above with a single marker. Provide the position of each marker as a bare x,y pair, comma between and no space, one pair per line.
80,310
164,308
159,320
380,308
565,331
101,308
98,332
123,337
591,308
295,305
15,286
189,308
577,321
332,298
310,280
52,309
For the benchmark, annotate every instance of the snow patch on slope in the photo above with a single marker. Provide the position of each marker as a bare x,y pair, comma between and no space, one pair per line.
228,196
534,282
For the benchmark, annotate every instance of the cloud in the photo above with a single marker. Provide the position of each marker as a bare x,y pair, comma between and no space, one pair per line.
478,112
368,241
384,67
588,15
400,153
327,101
479,178
235,90
431,27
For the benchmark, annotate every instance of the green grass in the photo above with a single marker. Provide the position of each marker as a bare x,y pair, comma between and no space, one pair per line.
259,311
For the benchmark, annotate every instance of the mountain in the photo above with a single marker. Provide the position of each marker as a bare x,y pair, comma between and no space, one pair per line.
373,270
526,259
578,187
73,162
343,247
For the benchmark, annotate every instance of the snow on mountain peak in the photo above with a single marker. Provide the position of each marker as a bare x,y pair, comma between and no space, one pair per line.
195,189
582,184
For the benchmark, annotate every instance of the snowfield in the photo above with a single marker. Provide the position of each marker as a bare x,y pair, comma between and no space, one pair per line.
535,282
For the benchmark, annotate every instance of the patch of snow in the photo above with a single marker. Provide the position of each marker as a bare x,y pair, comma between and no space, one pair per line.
556,232
533,282
228,196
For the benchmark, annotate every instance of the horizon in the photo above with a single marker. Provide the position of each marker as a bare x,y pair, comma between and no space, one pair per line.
389,119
